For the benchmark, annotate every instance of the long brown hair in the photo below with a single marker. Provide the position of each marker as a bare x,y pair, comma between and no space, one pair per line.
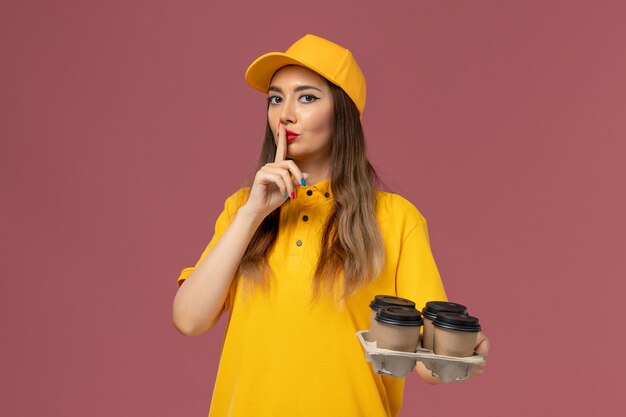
351,246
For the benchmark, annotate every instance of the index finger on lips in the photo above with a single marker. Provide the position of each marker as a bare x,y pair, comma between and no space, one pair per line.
281,144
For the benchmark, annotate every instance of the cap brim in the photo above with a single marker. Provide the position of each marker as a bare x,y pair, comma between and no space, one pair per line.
259,74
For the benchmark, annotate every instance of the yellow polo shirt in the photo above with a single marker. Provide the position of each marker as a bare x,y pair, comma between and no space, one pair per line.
285,357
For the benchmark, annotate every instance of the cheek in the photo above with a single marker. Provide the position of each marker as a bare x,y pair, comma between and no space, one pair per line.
273,120
321,123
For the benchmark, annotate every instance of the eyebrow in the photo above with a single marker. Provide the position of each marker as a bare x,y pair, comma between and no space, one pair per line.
297,89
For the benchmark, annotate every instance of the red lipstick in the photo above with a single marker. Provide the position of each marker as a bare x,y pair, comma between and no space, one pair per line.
291,136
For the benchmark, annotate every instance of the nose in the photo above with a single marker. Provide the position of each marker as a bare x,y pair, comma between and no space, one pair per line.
288,112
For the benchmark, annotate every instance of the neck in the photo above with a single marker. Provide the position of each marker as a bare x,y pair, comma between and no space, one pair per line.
315,176
317,170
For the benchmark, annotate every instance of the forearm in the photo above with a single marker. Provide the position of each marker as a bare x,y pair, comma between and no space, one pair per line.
199,302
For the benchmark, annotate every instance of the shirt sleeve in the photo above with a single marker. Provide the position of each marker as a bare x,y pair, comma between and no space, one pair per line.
232,204
417,276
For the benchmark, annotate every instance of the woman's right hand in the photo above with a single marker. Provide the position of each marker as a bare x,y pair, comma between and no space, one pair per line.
272,183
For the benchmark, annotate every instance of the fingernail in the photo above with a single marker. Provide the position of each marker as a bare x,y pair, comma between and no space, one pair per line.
293,196
286,195
303,181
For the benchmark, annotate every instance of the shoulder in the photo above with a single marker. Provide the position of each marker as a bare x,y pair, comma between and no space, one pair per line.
396,211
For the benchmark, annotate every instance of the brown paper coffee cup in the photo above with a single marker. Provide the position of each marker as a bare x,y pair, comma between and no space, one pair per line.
455,334
379,302
397,328
429,312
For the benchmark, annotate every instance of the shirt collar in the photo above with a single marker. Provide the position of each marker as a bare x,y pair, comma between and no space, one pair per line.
319,192
323,186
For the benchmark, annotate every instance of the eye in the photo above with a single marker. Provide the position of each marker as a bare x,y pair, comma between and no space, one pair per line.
308,98
273,99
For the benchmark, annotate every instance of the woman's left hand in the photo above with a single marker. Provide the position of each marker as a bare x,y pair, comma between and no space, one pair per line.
482,348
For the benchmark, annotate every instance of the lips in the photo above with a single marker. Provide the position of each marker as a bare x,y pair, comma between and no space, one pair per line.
291,136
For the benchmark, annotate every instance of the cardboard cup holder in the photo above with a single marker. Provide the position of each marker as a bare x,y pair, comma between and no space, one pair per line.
400,364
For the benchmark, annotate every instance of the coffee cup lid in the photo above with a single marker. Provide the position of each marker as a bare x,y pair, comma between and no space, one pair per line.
399,316
456,321
433,307
381,301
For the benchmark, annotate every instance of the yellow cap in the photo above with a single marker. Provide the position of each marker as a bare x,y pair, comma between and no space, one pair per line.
331,61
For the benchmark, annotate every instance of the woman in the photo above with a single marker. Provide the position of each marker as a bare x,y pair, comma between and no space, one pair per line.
298,256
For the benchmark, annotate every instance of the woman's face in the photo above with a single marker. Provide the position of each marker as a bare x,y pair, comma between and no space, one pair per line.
301,100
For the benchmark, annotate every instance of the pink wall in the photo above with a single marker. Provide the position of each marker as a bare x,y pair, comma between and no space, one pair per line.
125,124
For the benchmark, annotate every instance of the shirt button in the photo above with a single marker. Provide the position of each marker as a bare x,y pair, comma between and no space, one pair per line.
327,195
299,243
309,192
305,218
